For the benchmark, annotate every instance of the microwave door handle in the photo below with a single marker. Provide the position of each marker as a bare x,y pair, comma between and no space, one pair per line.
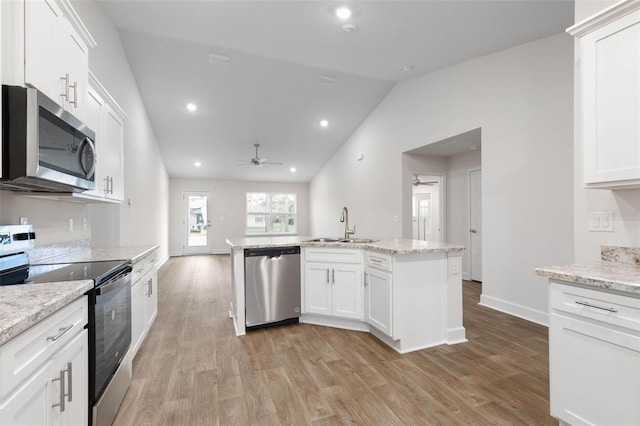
92,170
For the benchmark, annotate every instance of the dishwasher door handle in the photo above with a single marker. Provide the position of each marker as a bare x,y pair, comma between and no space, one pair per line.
278,257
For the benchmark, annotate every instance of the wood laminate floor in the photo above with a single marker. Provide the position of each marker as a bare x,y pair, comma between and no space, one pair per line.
193,370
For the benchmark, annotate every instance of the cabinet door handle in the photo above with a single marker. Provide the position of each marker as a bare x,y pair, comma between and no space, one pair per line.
75,94
70,381
150,287
61,332
366,276
66,87
328,276
579,302
333,276
61,403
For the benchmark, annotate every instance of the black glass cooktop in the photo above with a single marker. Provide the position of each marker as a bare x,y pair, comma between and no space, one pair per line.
96,271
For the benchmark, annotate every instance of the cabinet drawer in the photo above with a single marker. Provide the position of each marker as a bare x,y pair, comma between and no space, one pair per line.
143,266
338,255
27,352
378,260
622,311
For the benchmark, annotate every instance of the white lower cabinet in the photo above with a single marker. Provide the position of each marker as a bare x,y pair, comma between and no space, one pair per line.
378,292
594,356
45,371
144,300
333,285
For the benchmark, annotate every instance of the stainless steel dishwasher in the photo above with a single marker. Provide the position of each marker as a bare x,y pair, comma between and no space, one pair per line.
272,285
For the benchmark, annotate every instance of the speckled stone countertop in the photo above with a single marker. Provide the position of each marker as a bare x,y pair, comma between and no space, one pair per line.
131,253
619,270
24,305
389,246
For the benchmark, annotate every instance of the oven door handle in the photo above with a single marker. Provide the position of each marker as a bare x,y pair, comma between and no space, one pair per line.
113,285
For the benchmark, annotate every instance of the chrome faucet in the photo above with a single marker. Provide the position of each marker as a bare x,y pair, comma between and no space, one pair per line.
344,217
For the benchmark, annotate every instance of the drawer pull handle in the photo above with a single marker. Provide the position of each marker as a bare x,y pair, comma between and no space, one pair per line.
578,302
61,332
378,261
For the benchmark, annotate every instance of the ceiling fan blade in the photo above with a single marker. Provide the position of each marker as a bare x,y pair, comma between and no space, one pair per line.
272,163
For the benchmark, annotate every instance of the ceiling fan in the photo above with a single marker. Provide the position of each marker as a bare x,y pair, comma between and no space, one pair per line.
417,181
257,161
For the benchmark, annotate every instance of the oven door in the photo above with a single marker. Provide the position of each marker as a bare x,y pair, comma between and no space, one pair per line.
112,329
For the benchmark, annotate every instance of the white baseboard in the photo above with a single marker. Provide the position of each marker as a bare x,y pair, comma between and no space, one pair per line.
466,276
162,262
516,310
456,335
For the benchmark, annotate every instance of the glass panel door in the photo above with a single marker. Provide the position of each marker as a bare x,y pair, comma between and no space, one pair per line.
197,221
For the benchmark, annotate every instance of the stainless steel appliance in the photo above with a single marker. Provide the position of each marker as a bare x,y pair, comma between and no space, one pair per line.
272,286
109,314
44,148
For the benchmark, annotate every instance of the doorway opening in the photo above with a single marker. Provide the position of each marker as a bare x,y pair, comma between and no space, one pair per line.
197,222
451,160
426,208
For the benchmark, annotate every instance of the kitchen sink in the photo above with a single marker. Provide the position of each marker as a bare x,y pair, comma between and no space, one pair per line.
358,240
324,240
342,240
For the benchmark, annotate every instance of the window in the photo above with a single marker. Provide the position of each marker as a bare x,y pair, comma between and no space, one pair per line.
271,213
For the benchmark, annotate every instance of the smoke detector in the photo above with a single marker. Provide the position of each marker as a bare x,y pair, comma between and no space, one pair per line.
218,59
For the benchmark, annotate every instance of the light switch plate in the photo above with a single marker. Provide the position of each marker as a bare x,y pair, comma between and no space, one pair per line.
600,222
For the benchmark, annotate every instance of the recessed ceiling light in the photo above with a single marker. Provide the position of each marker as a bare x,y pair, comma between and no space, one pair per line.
343,12
350,28
292,170
197,164
408,68
324,123
192,107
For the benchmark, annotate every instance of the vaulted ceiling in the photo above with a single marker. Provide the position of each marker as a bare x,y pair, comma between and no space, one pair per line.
268,72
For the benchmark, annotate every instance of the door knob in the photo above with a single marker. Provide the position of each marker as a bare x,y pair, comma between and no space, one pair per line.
473,231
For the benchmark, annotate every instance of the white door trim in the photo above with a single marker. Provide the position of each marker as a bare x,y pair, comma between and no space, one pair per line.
470,251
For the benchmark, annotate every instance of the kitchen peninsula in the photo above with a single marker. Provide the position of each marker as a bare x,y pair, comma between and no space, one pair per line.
407,293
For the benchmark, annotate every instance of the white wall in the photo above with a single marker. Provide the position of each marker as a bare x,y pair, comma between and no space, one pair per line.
145,219
457,199
522,99
228,208
624,204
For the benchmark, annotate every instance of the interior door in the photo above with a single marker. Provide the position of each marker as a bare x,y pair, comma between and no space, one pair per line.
475,224
197,222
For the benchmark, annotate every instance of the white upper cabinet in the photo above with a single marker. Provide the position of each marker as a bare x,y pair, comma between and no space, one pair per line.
46,46
610,89
105,117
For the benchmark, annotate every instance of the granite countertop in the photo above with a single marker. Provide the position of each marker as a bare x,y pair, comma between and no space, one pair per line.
618,270
24,305
389,246
131,253
606,275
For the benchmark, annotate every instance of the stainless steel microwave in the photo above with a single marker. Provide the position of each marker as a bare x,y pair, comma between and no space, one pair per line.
44,148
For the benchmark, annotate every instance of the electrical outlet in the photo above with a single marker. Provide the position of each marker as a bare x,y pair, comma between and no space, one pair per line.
84,223
23,221
70,224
